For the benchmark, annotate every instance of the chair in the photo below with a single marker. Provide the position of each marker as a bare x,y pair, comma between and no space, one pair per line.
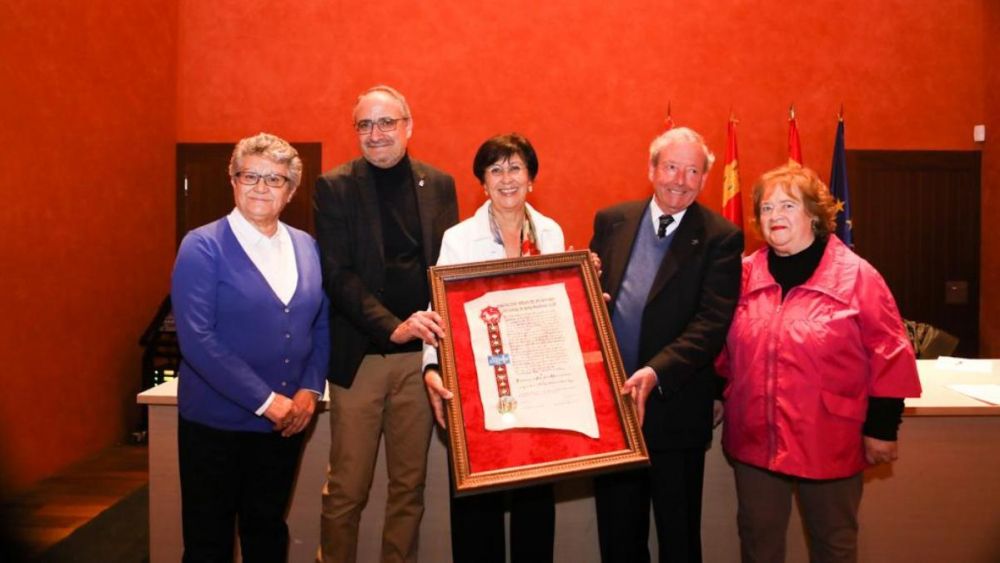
928,341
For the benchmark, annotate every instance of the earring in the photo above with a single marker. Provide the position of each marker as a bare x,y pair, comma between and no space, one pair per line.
529,188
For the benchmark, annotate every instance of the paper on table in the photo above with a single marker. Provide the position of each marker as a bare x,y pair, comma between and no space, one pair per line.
542,357
988,392
948,363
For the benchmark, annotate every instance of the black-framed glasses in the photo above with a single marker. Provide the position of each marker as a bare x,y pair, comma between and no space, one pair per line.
384,124
270,180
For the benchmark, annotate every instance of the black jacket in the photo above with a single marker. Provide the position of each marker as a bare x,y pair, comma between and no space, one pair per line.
349,232
687,314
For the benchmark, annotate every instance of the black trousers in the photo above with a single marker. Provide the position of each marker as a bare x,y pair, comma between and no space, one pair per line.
674,485
229,477
477,526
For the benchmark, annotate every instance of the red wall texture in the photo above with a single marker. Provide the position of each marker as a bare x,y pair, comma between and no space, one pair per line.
94,91
87,126
589,81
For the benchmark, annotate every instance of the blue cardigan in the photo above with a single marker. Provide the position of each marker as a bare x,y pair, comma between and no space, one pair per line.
238,340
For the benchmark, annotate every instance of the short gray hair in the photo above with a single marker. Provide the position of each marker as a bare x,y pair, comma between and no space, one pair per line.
271,147
392,92
679,135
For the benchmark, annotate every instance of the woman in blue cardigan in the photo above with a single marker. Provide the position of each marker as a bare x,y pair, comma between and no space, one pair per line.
253,328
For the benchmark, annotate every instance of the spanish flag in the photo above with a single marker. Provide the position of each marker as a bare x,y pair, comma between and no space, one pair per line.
732,201
794,146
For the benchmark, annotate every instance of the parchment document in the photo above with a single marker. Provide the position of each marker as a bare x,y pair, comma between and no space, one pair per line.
537,361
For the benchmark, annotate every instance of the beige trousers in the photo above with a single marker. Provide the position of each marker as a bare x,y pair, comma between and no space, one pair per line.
387,398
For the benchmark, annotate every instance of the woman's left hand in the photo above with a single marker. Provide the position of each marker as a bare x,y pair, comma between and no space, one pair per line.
880,451
437,393
305,405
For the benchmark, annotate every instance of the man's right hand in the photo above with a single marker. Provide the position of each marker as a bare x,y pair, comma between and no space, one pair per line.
437,393
638,387
422,325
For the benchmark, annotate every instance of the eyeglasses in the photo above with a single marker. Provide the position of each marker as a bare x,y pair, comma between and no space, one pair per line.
270,180
384,124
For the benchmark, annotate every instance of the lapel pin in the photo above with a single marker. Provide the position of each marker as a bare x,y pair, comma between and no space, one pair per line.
694,242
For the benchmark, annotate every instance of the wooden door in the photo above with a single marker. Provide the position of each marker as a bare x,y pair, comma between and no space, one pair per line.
916,219
204,193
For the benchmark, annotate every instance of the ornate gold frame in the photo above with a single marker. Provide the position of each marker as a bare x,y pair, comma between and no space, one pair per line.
464,480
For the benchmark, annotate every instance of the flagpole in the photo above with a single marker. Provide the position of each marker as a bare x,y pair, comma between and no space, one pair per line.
794,144
732,199
839,185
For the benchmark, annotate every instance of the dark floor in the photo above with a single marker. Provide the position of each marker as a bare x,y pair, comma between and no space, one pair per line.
95,511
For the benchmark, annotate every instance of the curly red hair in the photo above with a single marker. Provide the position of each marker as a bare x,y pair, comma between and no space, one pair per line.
816,198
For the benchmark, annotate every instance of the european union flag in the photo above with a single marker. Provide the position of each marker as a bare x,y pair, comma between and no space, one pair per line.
838,188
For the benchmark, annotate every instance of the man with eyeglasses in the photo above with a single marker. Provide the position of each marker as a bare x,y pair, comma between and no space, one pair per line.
379,223
672,269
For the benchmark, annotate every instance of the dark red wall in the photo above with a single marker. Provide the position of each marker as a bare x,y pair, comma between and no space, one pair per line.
95,94
87,129
589,81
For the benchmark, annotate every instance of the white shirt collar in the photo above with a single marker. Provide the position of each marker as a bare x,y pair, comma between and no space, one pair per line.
655,212
248,233
273,256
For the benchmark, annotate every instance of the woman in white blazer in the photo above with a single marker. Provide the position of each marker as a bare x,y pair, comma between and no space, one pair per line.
505,226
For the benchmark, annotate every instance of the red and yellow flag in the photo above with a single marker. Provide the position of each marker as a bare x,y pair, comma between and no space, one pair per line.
732,201
794,146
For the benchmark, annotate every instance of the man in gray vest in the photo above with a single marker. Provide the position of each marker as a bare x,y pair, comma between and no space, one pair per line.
672,269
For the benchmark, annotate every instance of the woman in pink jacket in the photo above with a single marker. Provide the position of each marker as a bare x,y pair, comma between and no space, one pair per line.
817,363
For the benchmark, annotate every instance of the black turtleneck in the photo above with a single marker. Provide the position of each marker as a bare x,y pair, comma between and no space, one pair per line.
794,270
405,290
884,413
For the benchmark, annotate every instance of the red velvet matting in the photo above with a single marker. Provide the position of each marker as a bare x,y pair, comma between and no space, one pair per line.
526,446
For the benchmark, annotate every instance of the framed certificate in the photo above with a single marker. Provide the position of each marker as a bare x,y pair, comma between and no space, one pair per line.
532,360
